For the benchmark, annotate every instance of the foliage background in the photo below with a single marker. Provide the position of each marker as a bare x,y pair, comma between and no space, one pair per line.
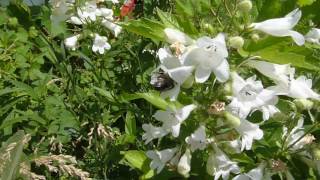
61,97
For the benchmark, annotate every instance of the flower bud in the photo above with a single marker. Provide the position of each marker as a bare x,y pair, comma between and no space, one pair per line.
33,32
255,37
184,164
209,27
316,153
211,164
13,22
227,89
245,6
303,104
231,120
188,83
236,42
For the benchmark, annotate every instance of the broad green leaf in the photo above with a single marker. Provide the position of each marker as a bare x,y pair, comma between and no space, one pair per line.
146,28
105,93
138,159
167,19
281,51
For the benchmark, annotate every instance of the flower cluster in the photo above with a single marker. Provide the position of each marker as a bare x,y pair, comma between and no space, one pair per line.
89,13
186,60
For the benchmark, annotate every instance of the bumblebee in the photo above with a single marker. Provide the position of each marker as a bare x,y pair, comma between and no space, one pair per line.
161,81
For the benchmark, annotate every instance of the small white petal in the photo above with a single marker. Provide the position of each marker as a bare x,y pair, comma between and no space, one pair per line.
202,74
222,71
176,36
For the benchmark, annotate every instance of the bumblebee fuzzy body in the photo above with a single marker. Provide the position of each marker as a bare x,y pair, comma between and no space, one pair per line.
161,81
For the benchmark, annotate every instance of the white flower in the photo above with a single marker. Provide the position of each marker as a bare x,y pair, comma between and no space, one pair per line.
248,132
105,12
114,28
175,69
59,11
184,165
152,132
219,164
197,140
86,13
282,27
175,36
300,88
295,134
313,36
172,119
71,42
209,55
249,95
278,73
100,44
160,158
253,174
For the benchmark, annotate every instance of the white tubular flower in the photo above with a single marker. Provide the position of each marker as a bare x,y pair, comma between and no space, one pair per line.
88,11
300,88
175,36
248,132
106,13
160,158
295,134
152,132
114,28
197,140
313,36
219,164
249,95
276,72
176,71
184,165
59,11
172,119
282,27
253,174
100,44
209,55
71,42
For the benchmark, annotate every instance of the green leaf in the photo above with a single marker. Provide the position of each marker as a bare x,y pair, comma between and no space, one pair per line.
278,50
138,159
305,2
167,19
146,28
130,123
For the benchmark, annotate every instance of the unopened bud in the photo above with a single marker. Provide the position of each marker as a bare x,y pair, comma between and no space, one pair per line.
13,22
211,164
33,32
188,83
184,165
245,6
227,89
303,104
316,153
209,27
236,42
231,120
255,37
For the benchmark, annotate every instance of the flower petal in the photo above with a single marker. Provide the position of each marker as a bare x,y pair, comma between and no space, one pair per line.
202,74
297,37
222,71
